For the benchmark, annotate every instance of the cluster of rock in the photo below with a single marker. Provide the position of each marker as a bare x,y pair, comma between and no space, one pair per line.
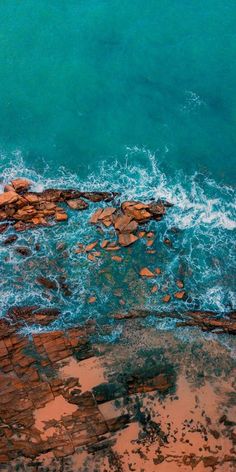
127,219
205,320
26,209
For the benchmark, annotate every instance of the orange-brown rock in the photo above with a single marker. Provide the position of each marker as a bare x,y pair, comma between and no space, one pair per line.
145,272
7,198
61,216
181,295
166,298
126,239
90,246
154,289
77,204
117,258
20,185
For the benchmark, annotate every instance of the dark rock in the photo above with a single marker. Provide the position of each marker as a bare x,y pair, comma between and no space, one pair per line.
11,239
23,251
47,283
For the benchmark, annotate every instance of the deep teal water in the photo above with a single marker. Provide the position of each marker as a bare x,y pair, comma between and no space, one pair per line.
134,96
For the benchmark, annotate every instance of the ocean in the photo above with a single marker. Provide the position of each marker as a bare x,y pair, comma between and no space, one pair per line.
134,97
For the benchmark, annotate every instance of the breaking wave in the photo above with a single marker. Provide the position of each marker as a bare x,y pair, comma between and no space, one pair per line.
201,225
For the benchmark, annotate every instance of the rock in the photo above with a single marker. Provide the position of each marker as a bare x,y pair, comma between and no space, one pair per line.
92,299
61,216
125,239
154,289
11,239
8,197
94,218
158,270
167,242
137,210
117,258
166,298
150,242
113,247
25,213
180,284
21,185
180,295
23,251
122,221
141,234
145,272
106,212
90,246
157,209
150,234
47,283
104,243
99,196
77,204
3,227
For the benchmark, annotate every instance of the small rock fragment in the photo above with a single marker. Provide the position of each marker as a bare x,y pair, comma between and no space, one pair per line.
90,246
23,251
154,289
181,295
145,272
166,298
180,284
47,283
11,239
117,258
92,299
125,239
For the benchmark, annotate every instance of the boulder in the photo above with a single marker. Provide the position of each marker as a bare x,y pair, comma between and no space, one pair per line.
125,239
21,185
8,197
77,204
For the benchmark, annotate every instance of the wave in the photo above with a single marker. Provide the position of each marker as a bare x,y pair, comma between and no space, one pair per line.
204,215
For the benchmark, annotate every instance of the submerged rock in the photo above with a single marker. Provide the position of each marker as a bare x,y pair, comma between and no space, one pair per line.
47,283
145,272
77,204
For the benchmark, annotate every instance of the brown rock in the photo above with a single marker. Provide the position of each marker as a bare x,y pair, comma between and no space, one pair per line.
8,197
104,243
3,227
154,289
158,270
150,234
90,246
117,258
23,251
150,242
21,185
121,222
181,295
77,204
180,284
125,239
11,239
166,298
61,216
48,283
94,218
167,242
92,299
106,212
145,272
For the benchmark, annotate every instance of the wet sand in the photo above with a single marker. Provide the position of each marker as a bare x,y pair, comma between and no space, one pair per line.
151,401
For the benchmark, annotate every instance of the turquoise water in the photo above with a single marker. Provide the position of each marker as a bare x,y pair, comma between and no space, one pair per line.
137,97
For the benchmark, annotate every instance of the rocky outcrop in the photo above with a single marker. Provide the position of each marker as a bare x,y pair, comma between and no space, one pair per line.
206,320
26,209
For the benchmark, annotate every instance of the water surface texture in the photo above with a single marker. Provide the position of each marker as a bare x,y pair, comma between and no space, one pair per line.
82,79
